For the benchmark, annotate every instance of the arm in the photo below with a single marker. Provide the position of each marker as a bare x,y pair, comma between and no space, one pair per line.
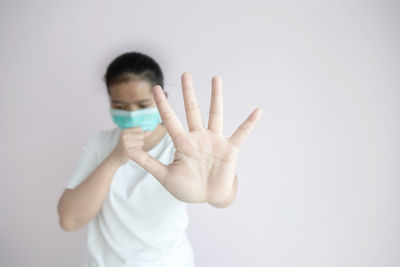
231,197
78,206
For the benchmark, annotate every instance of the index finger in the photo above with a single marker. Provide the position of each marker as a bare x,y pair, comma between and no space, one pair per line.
168,116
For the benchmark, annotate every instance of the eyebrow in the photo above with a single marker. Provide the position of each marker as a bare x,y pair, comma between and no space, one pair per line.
139,101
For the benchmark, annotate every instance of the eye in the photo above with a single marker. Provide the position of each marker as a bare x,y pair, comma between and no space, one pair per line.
143,106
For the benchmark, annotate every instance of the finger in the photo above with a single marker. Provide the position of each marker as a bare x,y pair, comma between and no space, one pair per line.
147,133
215,118
193,115
131,143
133,129
136,129
168,116
133,134
153,166
243,131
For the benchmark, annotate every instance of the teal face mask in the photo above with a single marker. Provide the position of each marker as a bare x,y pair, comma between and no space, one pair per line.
147,118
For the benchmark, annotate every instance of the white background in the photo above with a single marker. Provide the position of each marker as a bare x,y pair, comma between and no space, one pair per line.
319,177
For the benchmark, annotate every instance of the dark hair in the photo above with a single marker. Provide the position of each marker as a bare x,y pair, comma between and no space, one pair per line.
133,65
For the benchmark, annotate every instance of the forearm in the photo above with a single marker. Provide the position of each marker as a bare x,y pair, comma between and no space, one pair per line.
231,197
79,206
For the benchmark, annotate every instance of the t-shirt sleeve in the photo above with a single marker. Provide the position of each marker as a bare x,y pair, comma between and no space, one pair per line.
87,162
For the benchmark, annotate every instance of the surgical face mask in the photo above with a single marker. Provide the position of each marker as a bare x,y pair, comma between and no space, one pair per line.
147,118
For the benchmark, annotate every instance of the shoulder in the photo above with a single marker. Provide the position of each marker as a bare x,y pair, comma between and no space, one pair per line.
102,137
108,134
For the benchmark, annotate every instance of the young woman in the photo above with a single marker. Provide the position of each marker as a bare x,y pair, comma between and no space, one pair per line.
132,182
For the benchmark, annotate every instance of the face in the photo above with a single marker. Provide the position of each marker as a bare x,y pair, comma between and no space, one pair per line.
132,95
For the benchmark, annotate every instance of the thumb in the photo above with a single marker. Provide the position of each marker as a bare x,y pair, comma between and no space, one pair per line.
149,163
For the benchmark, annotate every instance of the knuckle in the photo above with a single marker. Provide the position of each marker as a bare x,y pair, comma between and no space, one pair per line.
140,136
135,129
216,111
244,129
191,106
168,115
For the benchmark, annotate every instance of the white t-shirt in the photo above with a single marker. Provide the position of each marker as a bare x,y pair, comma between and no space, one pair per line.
140,223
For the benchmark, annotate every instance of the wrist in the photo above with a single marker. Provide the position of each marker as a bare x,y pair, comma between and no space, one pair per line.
113,158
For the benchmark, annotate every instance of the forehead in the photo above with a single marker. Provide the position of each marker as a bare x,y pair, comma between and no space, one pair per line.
131,89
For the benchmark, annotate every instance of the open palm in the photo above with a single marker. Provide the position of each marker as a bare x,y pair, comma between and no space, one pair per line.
203,169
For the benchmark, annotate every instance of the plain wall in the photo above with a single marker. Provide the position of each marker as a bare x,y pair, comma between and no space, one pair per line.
319,175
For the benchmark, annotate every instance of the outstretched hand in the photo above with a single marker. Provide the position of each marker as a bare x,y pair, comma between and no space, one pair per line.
203,169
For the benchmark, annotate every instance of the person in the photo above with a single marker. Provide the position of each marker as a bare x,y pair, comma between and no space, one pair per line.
132,182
